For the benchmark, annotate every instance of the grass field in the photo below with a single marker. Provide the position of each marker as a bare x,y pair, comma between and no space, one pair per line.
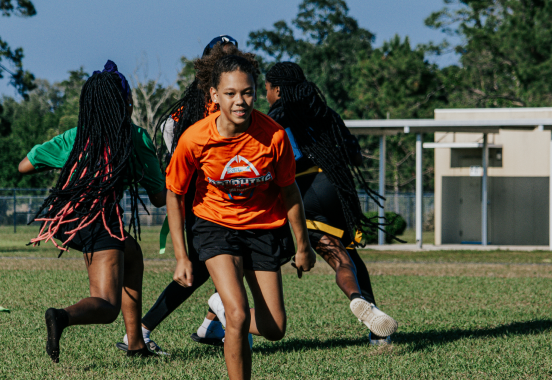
462,315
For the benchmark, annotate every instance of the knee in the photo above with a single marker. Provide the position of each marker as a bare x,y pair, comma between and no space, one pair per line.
275,333
238,318
111,313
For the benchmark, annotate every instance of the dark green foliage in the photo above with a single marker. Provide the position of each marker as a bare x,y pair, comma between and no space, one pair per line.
506,51
50,109
327,49
396,227
22,80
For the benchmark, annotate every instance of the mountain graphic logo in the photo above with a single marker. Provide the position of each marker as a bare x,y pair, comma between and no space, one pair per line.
228,169
240,188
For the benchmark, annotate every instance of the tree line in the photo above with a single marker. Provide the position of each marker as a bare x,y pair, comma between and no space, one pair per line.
504,61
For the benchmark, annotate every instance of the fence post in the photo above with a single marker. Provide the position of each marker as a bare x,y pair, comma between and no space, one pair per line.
14,212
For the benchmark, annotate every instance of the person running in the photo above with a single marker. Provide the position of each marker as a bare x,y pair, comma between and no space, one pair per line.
324,150
98,159
245,195
194,105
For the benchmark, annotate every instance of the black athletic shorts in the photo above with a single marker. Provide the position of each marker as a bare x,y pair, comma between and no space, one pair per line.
322,208
262,250
93,238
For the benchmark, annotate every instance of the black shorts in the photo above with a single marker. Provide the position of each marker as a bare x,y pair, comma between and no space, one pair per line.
93,238
262,250
323,208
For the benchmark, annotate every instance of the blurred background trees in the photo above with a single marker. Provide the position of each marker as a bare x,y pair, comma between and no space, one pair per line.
504,55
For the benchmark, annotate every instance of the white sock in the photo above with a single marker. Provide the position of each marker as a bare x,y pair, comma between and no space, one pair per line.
146,334
210,329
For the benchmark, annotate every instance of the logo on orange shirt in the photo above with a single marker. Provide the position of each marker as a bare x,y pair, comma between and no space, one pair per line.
242,187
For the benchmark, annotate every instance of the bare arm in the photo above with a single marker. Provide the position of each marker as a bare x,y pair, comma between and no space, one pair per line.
25,167
305,258
175,213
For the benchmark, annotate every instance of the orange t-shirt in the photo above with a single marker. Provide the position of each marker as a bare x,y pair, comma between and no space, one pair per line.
239,178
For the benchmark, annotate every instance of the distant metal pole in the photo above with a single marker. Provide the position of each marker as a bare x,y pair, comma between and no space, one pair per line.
550,197
419,190
14,210
484,199
381,211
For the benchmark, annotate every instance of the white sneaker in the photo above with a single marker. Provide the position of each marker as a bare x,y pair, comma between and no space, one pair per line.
215,303
376,320
379,342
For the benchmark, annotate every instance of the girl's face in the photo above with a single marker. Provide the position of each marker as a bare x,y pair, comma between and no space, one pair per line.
272,93
235,95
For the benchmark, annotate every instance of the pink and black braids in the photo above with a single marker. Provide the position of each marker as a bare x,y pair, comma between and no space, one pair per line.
93,179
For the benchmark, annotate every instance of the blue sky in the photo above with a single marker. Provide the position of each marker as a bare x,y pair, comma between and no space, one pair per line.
65,35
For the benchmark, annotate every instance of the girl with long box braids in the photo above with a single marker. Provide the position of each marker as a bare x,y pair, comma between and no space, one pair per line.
245,196
98,159
325,150
194,105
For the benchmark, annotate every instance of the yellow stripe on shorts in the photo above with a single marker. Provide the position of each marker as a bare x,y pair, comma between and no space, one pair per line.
319,226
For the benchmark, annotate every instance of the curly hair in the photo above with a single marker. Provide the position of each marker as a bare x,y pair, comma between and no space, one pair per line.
205,66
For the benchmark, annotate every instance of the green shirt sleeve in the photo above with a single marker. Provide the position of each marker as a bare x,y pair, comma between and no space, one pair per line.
53,153
153,180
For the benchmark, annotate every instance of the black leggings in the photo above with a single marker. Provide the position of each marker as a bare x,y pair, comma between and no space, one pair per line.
174,295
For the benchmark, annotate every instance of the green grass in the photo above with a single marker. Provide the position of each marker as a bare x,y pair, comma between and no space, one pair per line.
450,327
409,236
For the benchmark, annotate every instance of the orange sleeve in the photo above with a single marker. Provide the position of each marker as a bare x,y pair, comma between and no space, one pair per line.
181,168
285,160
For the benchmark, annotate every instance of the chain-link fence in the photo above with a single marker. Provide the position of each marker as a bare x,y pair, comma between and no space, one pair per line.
404,204
19,206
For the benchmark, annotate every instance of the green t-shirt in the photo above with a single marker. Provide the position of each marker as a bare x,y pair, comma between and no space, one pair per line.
54,154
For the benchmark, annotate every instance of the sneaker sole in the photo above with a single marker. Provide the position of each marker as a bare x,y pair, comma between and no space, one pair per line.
382,325
122,347
209,341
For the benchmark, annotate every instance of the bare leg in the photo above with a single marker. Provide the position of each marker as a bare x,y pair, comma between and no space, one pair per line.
227,274
131,304
334,253
268,318
105,274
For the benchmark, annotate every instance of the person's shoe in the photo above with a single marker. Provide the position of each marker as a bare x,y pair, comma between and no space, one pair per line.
209,341
211,334
376,320
141,353
151,345
215,303
379,342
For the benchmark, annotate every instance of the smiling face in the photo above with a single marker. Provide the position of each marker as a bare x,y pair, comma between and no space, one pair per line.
235,94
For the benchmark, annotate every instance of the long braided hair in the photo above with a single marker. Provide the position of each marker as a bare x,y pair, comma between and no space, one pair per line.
196,103
92,181
317,131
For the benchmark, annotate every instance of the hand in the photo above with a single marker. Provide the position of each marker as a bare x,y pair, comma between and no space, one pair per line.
303,261
183,273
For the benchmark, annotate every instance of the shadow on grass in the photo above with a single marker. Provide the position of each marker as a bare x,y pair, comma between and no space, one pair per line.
422,340
418,341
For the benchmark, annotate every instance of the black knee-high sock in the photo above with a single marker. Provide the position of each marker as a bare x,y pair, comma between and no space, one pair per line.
363,277
56,321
